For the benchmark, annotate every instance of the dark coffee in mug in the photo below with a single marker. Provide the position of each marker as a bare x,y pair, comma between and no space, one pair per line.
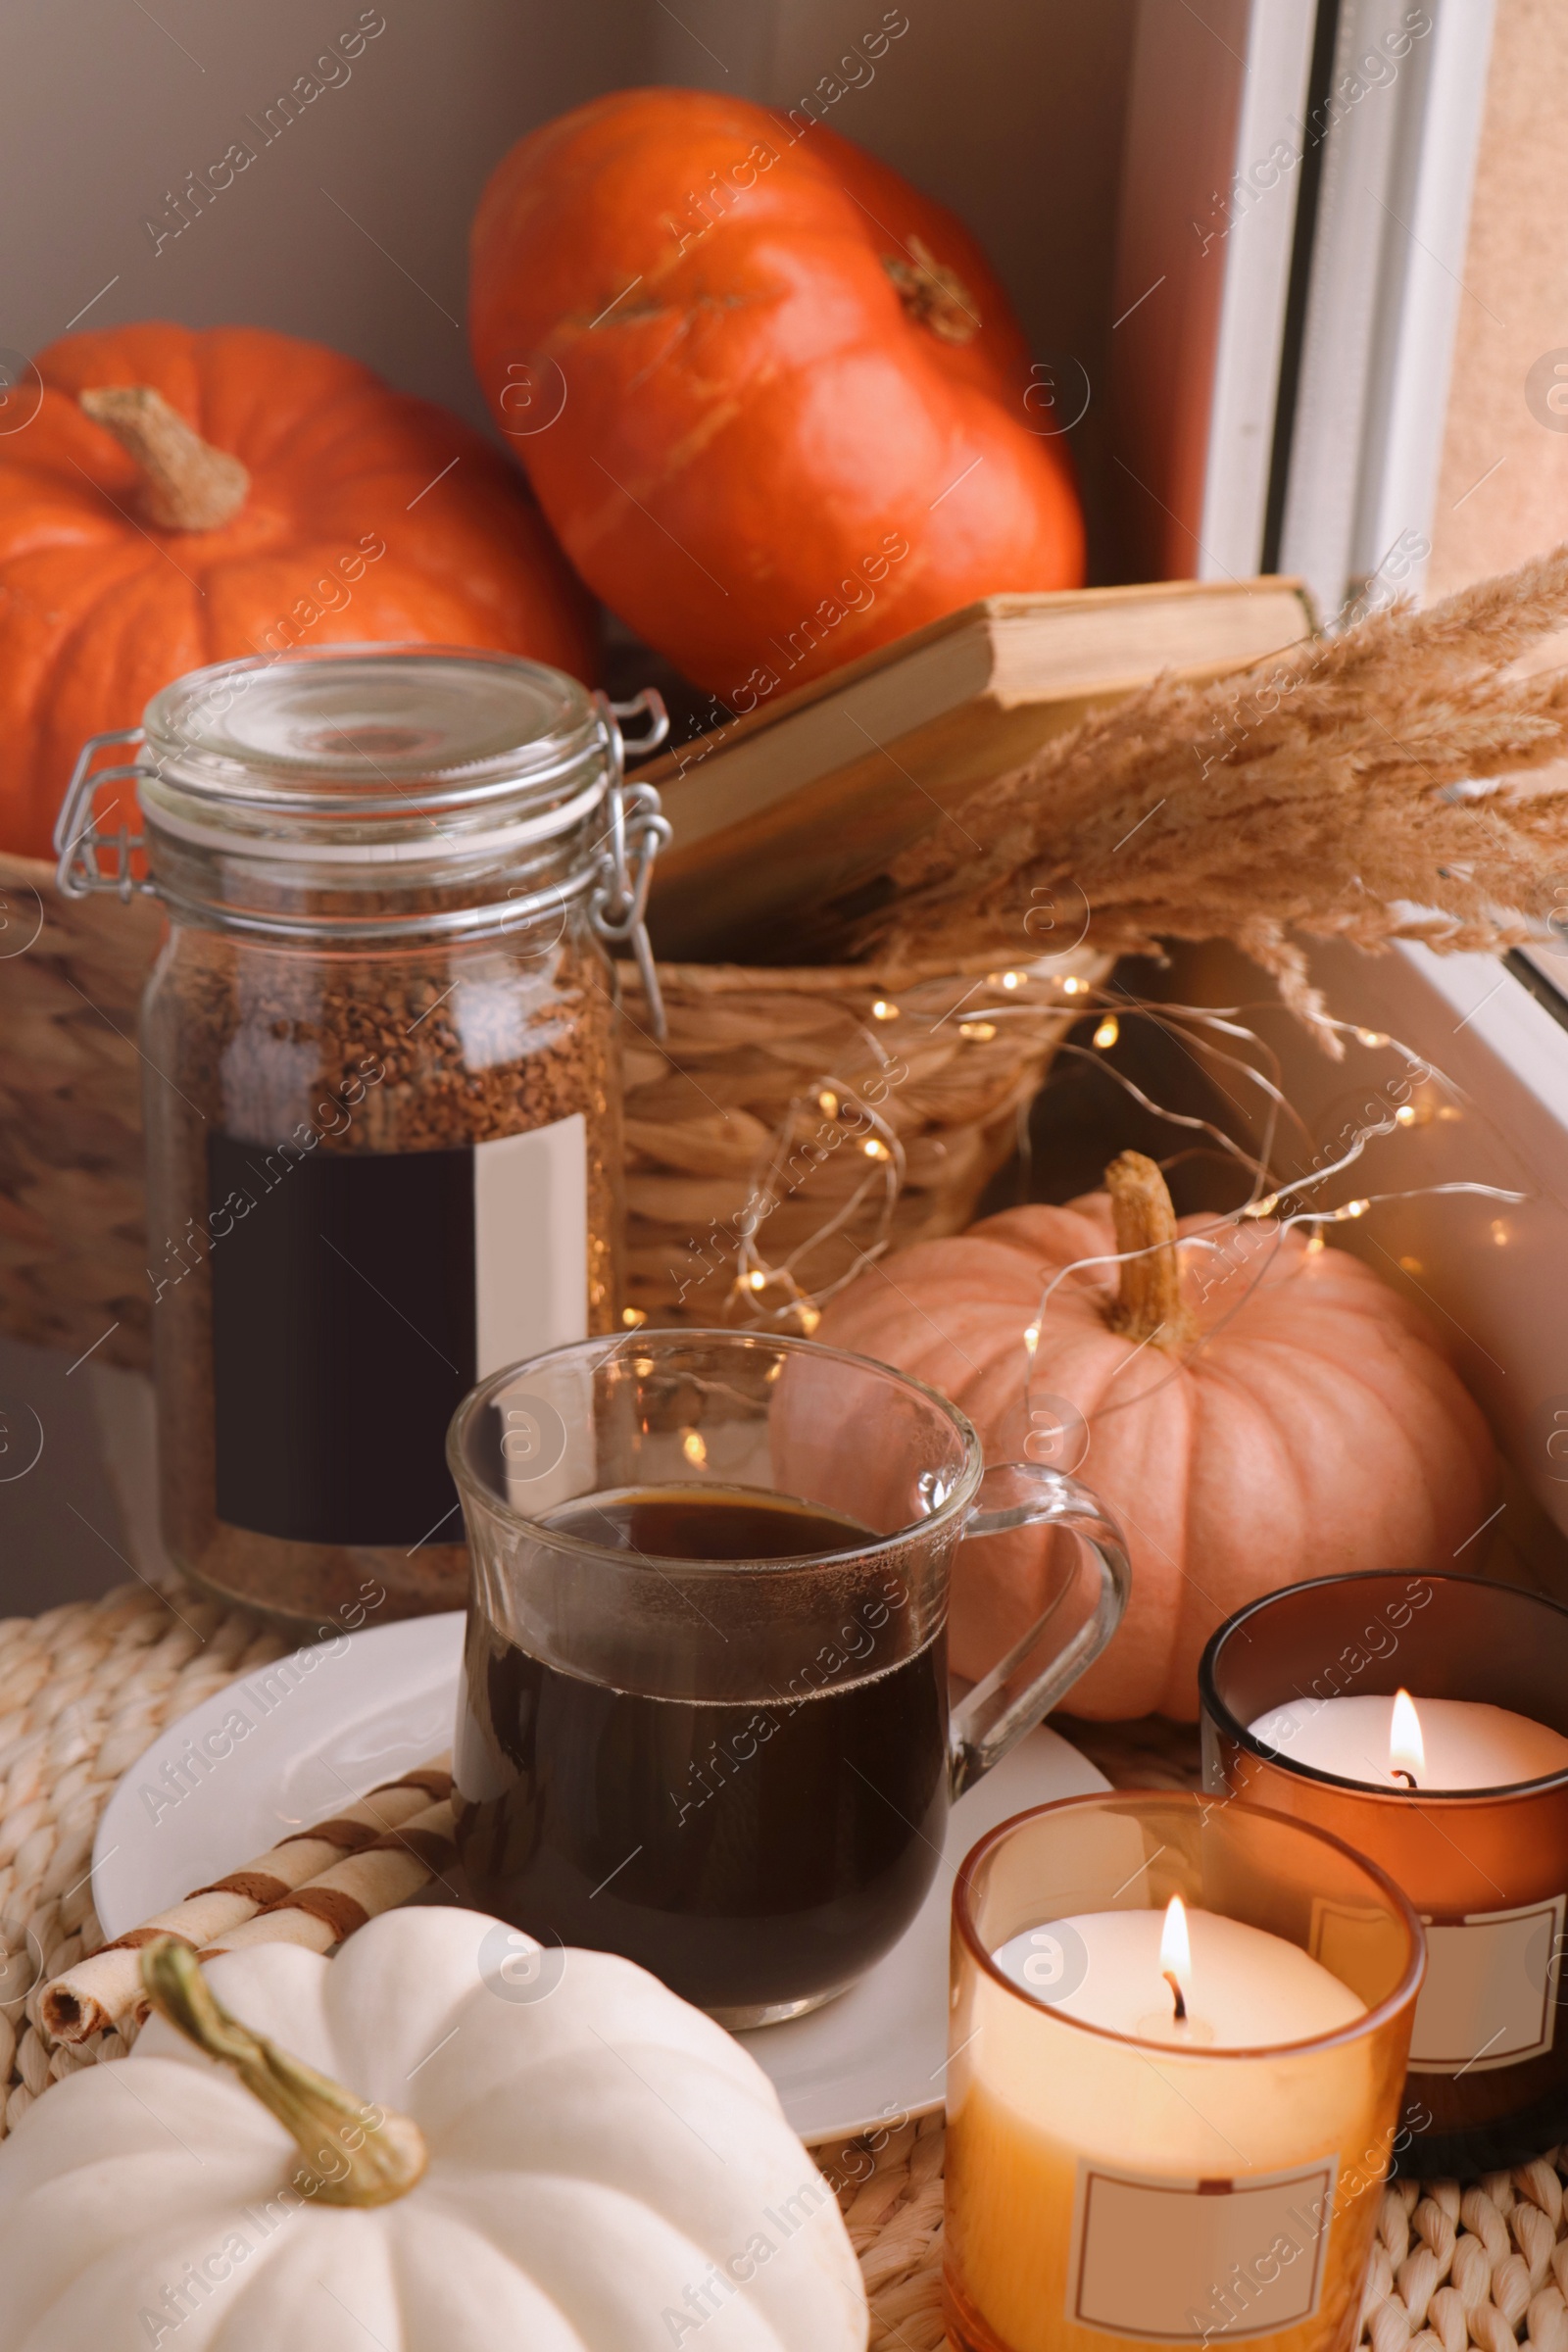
705,1721
750,1852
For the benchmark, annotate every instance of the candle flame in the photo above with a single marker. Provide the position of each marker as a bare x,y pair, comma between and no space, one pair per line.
1176,1955
1408,1756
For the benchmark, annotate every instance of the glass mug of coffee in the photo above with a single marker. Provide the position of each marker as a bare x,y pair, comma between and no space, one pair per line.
704,1720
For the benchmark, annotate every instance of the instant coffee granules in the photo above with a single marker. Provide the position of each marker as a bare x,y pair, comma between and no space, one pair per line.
382,1094
333,1136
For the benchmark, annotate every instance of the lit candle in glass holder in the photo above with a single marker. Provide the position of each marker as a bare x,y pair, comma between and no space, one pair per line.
1176,2050
1424,1720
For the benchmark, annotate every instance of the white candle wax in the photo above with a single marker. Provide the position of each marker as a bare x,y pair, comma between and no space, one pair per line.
1468,1744
1245,1990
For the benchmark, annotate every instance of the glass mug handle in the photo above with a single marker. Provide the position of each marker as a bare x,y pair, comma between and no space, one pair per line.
988,1722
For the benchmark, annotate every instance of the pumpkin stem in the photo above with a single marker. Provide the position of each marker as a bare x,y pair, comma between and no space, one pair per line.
1149,1302
355,2153
936,297
190,486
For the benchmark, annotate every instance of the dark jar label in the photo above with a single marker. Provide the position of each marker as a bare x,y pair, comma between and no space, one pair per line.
357,1298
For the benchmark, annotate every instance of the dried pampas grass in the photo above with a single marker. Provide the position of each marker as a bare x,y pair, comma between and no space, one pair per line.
1359,787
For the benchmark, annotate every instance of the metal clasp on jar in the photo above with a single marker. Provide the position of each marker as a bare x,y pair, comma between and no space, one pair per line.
636,834
79,845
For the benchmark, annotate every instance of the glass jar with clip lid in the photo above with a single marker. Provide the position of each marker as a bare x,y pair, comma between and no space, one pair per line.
381,1085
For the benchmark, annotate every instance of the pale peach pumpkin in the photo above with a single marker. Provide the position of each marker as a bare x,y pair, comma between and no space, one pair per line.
1252,1418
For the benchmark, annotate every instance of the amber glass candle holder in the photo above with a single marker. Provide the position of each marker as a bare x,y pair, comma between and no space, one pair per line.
1486,1869
1102,2186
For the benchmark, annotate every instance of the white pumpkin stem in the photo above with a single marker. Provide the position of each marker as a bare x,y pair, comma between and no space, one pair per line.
189,485
355,2153
1149,1302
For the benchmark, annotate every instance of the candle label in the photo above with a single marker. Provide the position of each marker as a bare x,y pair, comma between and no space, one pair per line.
1491,1995
1172,2261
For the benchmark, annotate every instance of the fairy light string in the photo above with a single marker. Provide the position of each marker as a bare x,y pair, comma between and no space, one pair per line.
778,1293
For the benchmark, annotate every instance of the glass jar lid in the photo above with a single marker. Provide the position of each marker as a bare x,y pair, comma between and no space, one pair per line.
377,793
354,731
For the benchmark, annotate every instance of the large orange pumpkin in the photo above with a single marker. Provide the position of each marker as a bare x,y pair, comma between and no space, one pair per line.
240,492
772,399
1254,1416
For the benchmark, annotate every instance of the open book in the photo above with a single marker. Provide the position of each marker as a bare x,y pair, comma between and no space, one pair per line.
805,798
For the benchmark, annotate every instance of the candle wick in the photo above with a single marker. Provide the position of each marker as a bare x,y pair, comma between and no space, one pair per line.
1177,1995
1399,1774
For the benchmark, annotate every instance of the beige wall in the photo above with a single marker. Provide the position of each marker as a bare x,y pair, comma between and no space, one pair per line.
1502,493
352,226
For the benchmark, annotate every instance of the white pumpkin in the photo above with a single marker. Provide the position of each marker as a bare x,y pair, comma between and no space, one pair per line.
603,2169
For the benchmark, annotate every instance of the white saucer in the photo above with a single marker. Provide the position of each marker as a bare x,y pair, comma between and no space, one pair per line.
370,1704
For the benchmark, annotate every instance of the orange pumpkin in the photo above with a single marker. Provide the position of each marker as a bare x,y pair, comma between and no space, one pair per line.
180,498
772,399
1253,1415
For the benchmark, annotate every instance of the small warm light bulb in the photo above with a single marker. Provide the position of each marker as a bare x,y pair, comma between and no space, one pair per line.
1108,1031
1372,1036
882,1010
1031,1338
693,1447
1501,1236
875,1149
1404,1116
1012,979
811,1317
1073,987
757,1280
1316,1243
1176,1956
829,1102
633,1317
1355,1209
1408,1756
983,1031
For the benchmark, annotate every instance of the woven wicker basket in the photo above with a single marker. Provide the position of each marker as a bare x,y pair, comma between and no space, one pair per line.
948,1064
73,1255
794,1119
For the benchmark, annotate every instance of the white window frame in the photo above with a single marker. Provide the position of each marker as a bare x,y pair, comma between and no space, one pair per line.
1383,302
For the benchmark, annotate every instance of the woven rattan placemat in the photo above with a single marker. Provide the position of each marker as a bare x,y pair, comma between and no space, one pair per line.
85,1688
